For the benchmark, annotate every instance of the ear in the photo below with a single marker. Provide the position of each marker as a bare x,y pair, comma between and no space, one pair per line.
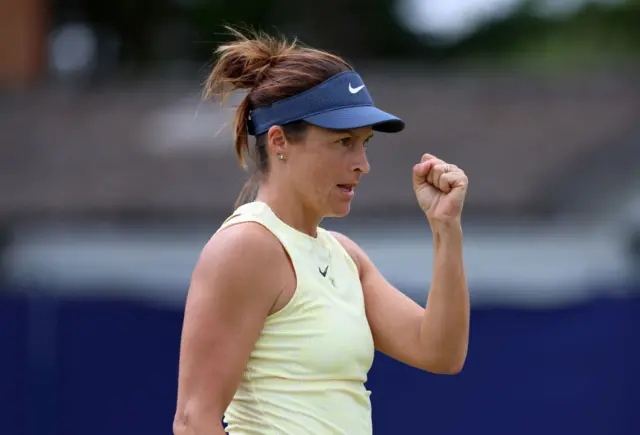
276,140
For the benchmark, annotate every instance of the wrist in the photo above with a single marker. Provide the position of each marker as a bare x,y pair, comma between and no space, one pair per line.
446,223
445,228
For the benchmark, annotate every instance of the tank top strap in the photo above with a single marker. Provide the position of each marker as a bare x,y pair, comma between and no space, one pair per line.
262,213
292,241
251,212
300,246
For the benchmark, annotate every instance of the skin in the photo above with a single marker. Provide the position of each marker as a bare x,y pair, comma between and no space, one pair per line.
226,307
305,189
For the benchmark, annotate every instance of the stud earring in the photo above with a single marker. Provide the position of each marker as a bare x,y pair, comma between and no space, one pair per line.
280,156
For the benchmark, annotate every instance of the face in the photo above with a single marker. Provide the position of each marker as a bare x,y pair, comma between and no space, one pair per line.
325,167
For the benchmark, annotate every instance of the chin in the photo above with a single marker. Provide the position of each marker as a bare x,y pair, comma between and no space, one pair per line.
340,210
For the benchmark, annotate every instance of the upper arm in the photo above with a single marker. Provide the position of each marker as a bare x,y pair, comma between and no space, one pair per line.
394,318
234,285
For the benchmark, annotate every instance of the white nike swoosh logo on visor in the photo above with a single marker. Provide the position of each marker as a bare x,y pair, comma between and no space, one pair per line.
355,90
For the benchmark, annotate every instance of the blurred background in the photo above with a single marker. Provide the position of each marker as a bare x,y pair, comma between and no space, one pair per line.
114,174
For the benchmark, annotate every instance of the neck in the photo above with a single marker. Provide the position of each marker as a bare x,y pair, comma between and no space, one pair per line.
290,210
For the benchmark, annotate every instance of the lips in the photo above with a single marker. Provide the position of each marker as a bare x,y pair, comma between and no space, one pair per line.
346,187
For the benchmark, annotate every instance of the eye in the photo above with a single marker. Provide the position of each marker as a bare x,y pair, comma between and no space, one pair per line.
346,141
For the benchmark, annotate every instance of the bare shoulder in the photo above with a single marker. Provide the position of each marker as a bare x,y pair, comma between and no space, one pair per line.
238,258
239,242
235,285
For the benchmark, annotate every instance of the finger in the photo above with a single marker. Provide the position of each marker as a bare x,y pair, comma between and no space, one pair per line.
437,171
452,180
454,168
426,157
419,170
422,169
430,158
431,177
432,174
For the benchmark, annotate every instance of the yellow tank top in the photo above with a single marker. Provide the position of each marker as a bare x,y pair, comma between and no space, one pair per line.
307,371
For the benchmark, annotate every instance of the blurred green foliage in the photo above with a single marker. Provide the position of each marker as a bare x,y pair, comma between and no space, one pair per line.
596,34
369,29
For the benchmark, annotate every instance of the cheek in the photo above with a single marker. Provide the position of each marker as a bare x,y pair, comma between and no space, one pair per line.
316,176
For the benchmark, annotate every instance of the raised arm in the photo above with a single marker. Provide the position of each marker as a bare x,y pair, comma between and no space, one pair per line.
234,286
436,338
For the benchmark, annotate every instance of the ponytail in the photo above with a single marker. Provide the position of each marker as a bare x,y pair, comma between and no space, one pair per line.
249,191
241,132
270,69
243,64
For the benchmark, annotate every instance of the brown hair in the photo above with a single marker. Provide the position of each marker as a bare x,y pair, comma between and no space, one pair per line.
271,69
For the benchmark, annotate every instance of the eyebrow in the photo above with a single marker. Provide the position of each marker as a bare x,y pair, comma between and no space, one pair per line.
350,133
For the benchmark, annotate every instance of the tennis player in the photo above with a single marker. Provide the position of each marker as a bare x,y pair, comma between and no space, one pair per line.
282,317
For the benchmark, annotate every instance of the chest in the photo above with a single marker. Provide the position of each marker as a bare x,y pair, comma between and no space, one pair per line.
324,325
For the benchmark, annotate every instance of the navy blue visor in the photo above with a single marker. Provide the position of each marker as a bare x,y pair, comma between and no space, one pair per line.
339,103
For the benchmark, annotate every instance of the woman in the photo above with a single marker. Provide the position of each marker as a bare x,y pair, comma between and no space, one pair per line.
282,317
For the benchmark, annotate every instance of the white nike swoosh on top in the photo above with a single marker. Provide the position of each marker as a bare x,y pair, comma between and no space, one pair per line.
355,90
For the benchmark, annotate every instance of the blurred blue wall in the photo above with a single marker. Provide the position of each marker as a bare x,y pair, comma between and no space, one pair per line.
105,367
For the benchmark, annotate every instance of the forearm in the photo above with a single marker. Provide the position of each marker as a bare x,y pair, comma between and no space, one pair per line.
445,326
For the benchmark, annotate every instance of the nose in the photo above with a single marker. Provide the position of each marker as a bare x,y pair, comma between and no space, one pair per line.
361,161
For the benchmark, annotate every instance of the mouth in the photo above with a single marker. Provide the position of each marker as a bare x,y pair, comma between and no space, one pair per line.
347,188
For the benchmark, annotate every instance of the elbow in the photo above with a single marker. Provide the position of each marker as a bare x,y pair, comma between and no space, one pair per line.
180,425
184,424
445,366
445,369
182,419
452,369
455,364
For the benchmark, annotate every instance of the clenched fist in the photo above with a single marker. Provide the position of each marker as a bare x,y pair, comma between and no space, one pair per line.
440,188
